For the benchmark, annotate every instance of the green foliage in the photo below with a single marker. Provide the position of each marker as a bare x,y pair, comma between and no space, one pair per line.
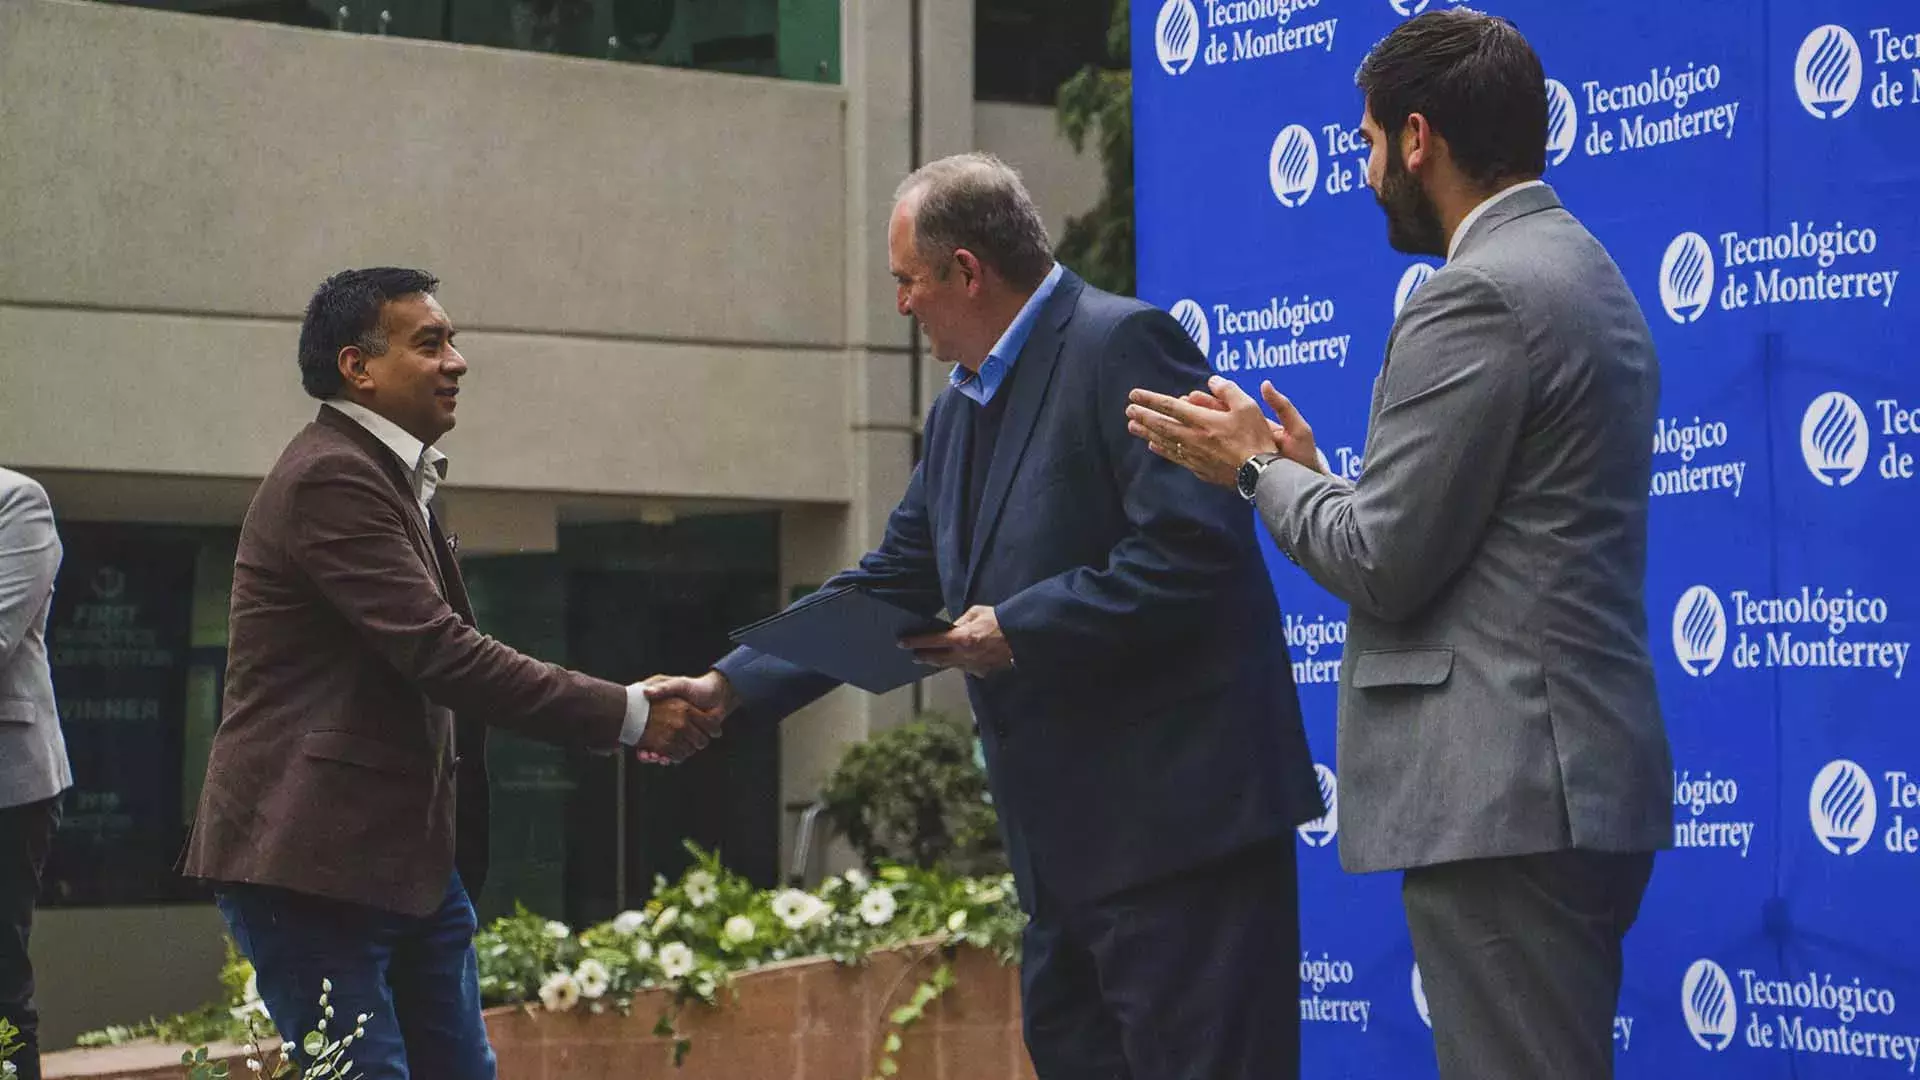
1097,102
207,1024
244,1022
916,795
906,1016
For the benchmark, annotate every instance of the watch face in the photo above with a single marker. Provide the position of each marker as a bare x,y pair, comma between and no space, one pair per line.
1248,479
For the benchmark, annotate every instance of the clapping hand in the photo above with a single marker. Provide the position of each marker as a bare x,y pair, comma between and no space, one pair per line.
1213,434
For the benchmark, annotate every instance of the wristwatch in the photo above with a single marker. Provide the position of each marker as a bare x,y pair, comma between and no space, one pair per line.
1248,478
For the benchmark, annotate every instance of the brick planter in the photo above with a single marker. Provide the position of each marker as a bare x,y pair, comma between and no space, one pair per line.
803,1020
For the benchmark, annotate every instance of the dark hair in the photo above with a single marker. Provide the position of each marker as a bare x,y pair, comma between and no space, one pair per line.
976,201
1475,79
345,311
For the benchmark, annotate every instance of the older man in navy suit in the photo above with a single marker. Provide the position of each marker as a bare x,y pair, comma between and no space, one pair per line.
1142,735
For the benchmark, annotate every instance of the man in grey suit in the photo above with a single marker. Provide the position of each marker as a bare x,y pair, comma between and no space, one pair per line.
1500,739
33,756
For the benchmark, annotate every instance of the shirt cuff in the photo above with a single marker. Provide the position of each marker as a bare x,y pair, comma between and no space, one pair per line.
637,708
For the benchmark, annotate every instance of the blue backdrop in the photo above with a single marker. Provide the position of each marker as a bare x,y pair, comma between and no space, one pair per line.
1753,167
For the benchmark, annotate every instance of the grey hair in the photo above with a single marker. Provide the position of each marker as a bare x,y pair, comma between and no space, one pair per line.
978,202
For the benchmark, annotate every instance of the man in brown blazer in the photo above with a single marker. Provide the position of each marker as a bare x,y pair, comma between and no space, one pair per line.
344,817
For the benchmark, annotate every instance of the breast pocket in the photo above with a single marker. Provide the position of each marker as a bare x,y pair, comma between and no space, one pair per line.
350,749
1386,669
16,711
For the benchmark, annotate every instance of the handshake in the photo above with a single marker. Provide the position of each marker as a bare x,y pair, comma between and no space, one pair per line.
683,716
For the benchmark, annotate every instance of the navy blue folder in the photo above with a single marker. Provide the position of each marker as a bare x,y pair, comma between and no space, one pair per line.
848,634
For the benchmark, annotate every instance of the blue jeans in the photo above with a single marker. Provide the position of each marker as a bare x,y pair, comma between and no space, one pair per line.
416,978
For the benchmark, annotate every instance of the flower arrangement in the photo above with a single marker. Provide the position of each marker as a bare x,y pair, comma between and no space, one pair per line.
690,939
696,933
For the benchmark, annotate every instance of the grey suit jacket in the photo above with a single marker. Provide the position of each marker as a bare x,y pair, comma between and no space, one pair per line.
33,755
1497,696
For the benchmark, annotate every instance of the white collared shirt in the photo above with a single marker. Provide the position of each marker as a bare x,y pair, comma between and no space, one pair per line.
426,466
1487,204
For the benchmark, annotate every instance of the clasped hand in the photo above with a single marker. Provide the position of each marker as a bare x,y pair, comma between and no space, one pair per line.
683,716
974,644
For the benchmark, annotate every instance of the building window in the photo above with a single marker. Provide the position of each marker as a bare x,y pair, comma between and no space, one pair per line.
578,836
790,39
137,639
1023,51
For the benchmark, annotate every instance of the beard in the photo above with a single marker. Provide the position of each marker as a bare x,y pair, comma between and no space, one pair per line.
1413,221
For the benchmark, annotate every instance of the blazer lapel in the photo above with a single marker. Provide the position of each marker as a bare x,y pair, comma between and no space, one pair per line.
948,437
417,531
454,586
1032,375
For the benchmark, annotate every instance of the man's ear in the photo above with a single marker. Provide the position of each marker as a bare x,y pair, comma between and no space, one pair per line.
1418,142
352,363
970,269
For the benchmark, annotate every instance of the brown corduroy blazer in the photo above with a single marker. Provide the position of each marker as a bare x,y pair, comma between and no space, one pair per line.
350,761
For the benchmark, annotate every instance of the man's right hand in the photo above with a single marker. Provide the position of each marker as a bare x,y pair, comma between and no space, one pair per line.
684,715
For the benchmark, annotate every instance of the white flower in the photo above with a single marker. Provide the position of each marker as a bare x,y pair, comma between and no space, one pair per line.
702,889
592,978
738,930
857,878
629,922
796,909
559,931
676,960
643,951
666,920
957,921
8,1068
877,907
559,993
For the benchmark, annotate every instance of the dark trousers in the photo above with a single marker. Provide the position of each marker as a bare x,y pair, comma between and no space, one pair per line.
415,979
1189,978
26,833
1521,962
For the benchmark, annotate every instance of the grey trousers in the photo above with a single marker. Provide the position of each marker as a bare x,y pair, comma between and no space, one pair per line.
1520,958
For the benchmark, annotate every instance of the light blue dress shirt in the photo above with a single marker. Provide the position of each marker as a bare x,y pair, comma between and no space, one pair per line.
982,385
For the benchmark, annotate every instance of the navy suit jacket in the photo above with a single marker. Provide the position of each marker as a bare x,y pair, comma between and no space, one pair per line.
1150,724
